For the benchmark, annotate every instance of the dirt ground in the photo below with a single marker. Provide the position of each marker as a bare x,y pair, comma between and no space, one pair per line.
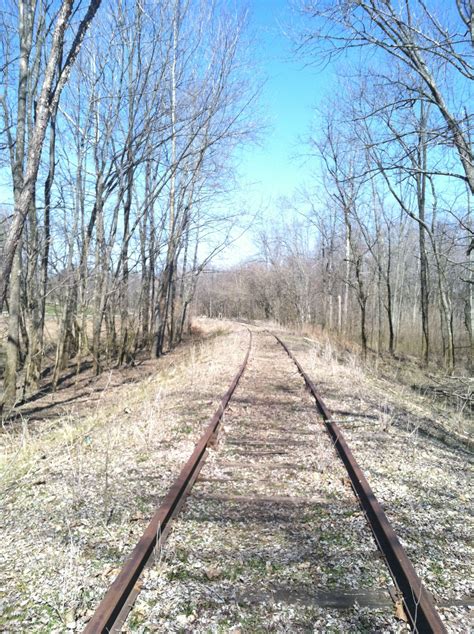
78,485
272,535
272,539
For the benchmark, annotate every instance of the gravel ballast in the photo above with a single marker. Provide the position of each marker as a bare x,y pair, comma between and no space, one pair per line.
272,537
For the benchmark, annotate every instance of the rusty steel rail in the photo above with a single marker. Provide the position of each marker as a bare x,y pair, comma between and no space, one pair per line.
114,608
418,604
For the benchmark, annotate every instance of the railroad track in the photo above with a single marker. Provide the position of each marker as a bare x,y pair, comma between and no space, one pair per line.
409,593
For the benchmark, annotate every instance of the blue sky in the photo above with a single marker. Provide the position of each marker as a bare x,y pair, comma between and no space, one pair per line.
276,167
287,102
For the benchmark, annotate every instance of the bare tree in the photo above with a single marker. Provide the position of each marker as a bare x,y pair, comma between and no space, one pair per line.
138,151
55,76
429,44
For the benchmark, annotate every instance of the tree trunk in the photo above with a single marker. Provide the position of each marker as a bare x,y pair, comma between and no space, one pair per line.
421,199
13,340
469,306
47,226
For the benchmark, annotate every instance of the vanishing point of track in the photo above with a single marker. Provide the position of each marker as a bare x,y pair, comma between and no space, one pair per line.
113,610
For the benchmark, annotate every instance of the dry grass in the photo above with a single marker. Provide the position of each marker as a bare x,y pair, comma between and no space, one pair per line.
414,450
427,399
79,485
270,524
78,488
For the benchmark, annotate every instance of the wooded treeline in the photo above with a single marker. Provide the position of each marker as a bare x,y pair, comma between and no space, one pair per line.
385,254
117,128
118,122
